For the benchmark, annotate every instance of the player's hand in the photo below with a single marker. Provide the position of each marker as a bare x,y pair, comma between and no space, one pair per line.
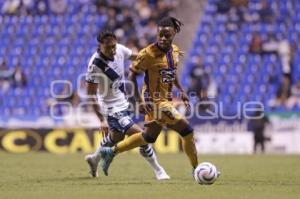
186,101
145,108
181,53
104,128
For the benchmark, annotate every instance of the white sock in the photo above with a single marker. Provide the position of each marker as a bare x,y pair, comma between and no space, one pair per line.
148,153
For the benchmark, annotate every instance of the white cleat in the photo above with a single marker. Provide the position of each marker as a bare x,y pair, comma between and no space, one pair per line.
162,175
93,164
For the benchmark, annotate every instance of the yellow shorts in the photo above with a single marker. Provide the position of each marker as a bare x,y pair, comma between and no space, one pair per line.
164,114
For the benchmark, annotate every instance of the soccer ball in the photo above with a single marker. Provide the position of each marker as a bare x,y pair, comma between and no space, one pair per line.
206,173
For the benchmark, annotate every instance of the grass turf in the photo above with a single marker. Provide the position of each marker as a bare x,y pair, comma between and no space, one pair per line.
43,175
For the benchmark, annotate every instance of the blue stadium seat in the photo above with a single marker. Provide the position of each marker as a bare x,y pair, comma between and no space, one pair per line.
258,76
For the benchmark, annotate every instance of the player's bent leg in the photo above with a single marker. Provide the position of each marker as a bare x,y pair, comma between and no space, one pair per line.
119,122
188,144
149,136
108,153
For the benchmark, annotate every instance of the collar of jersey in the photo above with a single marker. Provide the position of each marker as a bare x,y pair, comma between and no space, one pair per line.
155,51
104,57
162,50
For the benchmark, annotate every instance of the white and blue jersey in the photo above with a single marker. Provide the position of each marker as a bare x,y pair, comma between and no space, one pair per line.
109,75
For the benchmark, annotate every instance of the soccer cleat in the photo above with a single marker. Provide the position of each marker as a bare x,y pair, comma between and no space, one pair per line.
107,156
193,174
218,175
162,175
93,163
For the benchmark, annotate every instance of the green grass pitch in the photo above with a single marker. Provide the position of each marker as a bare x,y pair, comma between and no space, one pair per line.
43,175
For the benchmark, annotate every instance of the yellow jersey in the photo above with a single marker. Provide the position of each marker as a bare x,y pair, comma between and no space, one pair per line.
160,70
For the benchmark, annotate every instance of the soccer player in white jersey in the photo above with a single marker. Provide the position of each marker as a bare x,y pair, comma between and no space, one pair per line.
106,90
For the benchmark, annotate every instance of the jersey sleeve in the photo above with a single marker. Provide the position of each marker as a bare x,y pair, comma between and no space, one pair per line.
139,65
92,74
126,51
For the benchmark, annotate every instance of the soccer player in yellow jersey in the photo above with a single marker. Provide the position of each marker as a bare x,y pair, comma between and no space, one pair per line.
159,63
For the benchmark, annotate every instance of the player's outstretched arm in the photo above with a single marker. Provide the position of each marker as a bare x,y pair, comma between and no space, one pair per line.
92,92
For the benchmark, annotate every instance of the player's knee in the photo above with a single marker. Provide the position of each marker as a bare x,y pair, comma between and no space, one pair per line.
149,138
117,137
187,131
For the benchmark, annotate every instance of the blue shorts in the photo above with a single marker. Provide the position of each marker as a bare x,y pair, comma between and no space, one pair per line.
120,122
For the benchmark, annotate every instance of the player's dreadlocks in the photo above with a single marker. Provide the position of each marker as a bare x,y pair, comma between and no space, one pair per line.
104,34
171,22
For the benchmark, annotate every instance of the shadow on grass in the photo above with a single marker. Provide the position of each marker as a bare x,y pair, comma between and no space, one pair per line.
103,181
252,182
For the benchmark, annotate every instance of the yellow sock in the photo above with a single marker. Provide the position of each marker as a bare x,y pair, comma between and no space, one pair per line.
188,146
129,143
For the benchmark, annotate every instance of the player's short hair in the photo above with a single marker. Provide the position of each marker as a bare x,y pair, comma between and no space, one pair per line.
105,34
171,22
